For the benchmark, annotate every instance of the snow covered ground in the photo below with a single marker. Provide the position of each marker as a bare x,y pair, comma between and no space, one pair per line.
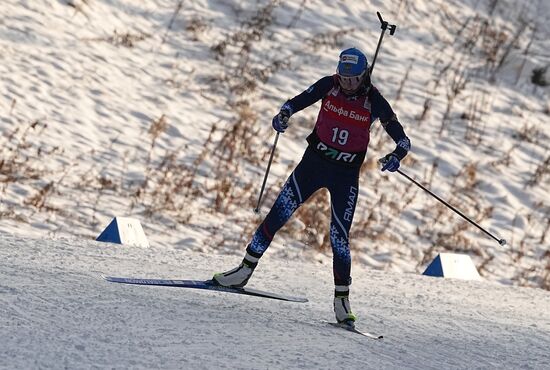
161,110
56,312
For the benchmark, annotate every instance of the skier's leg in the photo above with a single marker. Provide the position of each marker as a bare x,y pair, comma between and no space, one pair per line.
300,185
343,201
297,189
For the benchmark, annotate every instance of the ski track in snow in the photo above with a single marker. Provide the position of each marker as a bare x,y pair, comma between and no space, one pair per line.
94,103
56,311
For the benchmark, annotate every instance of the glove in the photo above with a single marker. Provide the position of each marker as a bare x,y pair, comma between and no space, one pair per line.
280,121
390,162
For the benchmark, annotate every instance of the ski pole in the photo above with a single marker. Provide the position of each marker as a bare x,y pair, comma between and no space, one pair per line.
384,25
257,209
500,241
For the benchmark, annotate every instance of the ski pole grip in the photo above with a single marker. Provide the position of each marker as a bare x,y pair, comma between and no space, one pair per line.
383,23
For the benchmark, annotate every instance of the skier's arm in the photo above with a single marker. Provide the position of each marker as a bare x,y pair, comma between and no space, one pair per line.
313,94
381,109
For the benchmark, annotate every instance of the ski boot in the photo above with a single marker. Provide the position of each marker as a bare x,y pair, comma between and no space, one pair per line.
342,308
238,277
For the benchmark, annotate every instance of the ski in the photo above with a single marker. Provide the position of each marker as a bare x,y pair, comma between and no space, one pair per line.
204,284
354,330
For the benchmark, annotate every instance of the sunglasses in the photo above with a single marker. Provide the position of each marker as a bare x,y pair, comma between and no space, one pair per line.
352,82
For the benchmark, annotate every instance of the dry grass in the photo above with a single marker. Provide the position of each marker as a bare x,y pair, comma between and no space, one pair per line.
125,39
314,215
218,179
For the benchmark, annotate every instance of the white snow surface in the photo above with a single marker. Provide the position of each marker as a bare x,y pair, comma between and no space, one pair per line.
160,110
57,312
124,108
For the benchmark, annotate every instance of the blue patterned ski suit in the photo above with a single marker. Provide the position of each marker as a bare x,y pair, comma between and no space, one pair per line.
336,150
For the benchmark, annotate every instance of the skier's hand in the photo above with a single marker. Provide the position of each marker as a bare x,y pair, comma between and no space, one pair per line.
280,121
390,162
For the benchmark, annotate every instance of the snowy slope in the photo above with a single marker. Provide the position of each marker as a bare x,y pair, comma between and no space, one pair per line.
161,112
56,312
